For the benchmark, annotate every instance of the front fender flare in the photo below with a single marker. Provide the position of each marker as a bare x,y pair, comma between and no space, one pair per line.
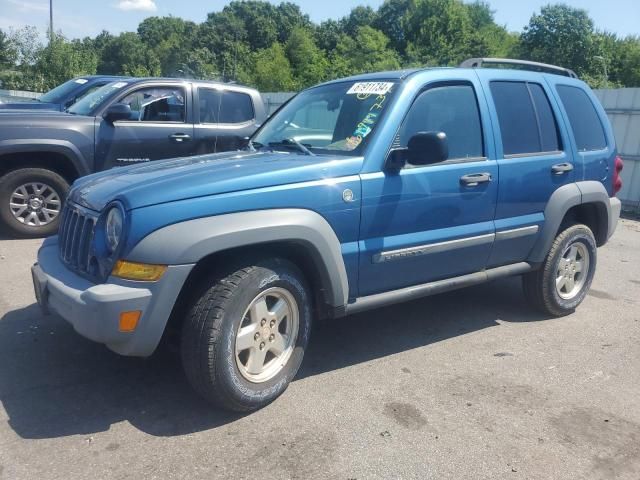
190,241
62,147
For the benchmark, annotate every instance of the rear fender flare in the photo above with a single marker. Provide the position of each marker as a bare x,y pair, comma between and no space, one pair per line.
563,199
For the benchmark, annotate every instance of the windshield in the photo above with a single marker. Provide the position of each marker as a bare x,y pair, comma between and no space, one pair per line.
94,99
331,118
62,92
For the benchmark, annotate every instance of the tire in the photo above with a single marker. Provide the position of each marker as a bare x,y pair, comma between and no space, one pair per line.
550,288
42,192
213,354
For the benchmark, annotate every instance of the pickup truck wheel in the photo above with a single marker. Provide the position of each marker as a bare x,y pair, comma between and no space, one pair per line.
564,278
244,335
31,200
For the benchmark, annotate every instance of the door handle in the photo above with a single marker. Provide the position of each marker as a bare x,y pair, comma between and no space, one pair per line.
180,137
560,168
474,179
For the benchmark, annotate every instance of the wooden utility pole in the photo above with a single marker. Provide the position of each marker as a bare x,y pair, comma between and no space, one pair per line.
50,22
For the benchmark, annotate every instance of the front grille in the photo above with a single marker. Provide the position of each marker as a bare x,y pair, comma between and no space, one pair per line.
75,237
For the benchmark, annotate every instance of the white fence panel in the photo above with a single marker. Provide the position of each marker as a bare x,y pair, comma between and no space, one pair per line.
273,100
19,93
623,108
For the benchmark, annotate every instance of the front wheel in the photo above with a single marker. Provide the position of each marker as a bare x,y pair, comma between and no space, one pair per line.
245,334
31,201
565,277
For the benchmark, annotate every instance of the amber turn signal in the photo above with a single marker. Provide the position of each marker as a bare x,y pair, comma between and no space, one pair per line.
138,271
129,321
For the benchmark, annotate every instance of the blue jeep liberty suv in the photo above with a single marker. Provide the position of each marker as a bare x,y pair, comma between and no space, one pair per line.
358,193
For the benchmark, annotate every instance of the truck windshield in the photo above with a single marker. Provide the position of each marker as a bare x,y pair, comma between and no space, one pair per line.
60,93
93,100
334,118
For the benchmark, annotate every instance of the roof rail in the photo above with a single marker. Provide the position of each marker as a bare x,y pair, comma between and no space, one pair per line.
534,66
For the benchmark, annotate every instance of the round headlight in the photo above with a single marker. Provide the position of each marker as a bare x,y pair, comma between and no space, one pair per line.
113,228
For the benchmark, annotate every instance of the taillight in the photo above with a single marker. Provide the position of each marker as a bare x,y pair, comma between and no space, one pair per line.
617,168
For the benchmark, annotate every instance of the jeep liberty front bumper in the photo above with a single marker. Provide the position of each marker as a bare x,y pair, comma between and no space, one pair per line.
94,309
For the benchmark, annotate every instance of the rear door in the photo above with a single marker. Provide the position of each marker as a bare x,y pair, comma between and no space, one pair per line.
533,158
159,127
225,117
590,142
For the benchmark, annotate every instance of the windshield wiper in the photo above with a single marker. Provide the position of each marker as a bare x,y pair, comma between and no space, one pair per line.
292,142
254,146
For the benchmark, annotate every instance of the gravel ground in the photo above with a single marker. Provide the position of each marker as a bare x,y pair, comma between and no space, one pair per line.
470,384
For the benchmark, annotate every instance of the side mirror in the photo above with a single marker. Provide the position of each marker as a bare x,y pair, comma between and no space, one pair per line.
117,111
425,148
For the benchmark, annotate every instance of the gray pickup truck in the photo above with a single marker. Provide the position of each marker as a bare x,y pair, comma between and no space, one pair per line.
124,122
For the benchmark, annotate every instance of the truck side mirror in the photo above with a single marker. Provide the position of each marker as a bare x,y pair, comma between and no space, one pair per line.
117,111
425,148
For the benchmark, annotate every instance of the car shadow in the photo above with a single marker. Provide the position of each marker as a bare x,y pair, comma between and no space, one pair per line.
54,383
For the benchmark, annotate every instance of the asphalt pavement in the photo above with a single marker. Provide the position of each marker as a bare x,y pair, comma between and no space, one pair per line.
471,384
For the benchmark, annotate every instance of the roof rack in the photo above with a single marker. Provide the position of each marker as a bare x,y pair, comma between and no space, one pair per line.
534,66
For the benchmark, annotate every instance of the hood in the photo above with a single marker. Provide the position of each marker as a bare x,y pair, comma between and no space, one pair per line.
165,181
51,120
28,105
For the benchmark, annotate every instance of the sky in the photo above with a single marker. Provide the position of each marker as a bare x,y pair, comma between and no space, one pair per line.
79,18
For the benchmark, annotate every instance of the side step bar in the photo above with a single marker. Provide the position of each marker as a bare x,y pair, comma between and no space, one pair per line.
417,291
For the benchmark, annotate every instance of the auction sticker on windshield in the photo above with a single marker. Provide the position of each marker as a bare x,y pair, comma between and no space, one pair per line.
81,81
370,88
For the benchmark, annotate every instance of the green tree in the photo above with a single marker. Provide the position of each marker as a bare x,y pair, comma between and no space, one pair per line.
625,62
480,14
272,70
366,52
441,32
389,19
62,59
170,38
7,51
126,54
289,17
358,17
26,44
561,35
308,63
328,34
498,42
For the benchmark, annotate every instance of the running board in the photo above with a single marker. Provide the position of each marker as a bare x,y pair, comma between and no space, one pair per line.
417,291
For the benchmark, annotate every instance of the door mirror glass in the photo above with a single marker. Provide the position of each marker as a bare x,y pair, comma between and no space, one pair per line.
117,111
425,148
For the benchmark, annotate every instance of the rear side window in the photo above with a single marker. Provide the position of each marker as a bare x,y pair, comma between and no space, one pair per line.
527,123
236,107
546,120
451,109
220,106
583,117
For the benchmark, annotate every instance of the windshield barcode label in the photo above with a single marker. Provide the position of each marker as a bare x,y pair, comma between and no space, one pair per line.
370,88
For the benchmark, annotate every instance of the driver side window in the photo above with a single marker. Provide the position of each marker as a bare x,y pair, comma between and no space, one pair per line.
452,109
156,104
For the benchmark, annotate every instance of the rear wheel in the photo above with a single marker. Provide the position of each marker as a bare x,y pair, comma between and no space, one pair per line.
31,201
564,278
245,334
